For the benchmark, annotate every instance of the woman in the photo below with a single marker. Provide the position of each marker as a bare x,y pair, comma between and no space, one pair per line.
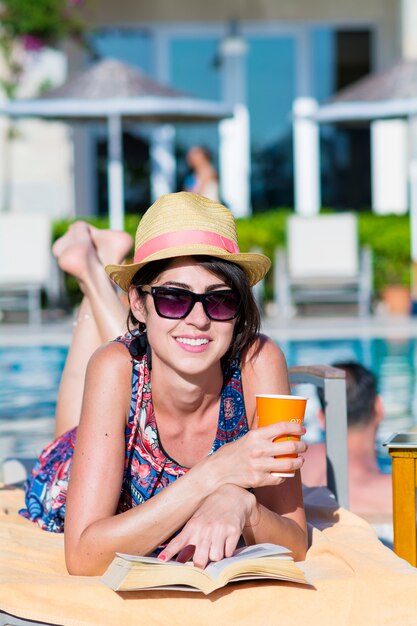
174,398
203,179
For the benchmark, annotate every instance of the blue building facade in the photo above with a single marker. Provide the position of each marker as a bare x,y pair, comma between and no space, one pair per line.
267,56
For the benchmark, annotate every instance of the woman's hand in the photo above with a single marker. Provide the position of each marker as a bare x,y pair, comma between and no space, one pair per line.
254,459
213,532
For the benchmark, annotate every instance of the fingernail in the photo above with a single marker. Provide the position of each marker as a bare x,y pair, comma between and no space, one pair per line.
304,430
162,557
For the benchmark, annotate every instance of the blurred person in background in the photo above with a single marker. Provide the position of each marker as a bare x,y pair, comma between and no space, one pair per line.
203,178
370,490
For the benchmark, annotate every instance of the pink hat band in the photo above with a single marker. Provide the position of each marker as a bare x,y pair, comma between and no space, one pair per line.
196,226
184,237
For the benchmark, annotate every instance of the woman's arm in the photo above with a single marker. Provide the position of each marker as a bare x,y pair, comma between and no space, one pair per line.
93,531
275,513
280,517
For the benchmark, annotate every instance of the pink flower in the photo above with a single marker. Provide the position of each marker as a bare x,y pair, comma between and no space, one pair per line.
143,471
138,469
32,43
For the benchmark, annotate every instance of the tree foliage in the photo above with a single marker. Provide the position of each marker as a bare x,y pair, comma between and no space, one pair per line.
28,25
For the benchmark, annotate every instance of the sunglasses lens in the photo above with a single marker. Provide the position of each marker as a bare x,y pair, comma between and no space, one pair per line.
172,305
176,304
222,306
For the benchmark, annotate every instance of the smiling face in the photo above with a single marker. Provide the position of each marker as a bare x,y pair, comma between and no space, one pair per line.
193,345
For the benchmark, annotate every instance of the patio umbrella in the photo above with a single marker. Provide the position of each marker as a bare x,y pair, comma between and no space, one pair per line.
388,94
110,91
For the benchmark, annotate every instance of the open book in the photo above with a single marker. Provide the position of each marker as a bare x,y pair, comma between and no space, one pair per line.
265,560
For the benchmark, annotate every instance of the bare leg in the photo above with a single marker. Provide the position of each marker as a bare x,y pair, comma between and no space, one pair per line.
82,252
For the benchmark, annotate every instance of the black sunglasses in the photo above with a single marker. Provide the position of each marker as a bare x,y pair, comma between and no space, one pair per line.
175,304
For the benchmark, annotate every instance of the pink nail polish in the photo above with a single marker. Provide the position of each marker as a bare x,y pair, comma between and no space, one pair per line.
162,557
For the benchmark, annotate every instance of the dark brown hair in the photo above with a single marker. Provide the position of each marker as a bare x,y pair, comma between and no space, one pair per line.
248,320
361,393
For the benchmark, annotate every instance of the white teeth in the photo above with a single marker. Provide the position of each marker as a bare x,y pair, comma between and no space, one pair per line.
192,342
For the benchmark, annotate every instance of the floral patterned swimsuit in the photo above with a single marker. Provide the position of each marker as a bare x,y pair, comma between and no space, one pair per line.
147,468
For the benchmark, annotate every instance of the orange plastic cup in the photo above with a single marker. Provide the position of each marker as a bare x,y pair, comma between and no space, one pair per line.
276,408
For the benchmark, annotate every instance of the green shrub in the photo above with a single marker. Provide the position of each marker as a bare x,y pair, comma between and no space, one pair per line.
60,228
387,235
265,231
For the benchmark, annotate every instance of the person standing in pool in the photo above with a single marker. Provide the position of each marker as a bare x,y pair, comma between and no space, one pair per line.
165,455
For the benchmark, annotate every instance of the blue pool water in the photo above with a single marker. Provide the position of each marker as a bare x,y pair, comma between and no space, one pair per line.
29,379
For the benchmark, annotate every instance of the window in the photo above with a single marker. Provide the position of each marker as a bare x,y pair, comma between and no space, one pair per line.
194,71
341,57
271,78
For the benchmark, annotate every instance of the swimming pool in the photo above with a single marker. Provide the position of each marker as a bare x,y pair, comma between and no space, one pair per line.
29,378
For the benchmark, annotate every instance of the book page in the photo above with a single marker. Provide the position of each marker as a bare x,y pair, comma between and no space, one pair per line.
256,551
151,560
128,572
249,552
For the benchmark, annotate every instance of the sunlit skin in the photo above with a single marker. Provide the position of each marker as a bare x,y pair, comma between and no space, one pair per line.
193,363
192,375
216,507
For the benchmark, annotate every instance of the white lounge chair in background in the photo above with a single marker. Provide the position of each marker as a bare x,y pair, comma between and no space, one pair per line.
26,267
323,263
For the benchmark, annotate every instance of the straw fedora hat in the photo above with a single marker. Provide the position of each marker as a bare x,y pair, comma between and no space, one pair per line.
185,224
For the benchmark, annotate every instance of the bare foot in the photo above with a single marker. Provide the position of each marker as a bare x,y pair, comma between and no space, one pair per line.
112,246
76,231
84,244
75,251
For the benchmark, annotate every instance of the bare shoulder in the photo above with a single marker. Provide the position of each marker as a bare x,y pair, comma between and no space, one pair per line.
108,388
112,356
264,370
112,349
262,354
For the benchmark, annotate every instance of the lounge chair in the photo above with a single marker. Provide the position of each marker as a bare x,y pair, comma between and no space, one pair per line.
333,383
323,263
25,263
355,581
